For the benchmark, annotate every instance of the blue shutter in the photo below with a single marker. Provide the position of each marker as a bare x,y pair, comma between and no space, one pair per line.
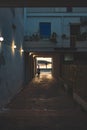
45,30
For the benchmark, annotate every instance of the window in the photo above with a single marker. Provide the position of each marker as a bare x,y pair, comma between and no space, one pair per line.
68,59
45,29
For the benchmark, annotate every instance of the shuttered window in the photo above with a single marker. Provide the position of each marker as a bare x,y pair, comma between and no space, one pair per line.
45,29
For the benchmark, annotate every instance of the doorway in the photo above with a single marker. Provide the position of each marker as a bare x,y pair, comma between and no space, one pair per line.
45,64
74,33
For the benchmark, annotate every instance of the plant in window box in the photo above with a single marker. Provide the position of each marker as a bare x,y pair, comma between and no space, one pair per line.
53,37
64,36
37,37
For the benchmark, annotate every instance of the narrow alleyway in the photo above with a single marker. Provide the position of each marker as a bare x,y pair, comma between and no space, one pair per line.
43,105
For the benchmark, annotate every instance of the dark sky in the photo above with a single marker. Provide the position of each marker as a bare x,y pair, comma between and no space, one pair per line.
44,3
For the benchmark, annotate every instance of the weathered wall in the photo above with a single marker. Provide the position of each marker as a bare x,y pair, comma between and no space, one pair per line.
56,65
29,67
11,60
75,76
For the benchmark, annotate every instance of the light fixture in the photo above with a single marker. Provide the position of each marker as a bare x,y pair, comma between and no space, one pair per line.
34,56
1,39
22,50
15,46
30,53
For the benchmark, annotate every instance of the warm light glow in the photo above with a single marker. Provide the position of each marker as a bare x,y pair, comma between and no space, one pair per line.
44,58
30,53
46,75
21,51
1,39
13,46
34,56
49,59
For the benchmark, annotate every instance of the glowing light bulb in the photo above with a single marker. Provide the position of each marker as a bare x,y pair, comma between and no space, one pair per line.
30,53
15,46
1,39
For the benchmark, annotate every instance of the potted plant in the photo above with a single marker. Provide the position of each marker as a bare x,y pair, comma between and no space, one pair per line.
64,36
53,37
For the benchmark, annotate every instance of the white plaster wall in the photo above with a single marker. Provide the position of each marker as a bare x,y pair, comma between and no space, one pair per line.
80,9
11,64
46,9
56,9
33,24
60,25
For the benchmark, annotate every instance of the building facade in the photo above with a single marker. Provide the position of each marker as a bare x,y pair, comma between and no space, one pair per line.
60,33
11,57
59,27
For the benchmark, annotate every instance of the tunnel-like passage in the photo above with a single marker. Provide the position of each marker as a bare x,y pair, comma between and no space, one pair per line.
43,105
66,67
47,61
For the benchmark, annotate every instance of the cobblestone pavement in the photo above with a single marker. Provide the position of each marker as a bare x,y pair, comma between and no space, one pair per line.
43,105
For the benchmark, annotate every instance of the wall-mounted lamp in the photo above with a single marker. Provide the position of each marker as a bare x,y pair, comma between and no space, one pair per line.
30,53
1,39
21,50
34,56
15,46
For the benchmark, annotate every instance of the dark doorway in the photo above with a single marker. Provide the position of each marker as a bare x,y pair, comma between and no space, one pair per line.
74,33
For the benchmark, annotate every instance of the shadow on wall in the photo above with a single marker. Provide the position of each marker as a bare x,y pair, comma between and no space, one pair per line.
2,59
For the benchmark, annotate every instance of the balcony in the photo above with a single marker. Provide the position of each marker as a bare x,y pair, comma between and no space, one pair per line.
41,44
81,42
37,43
81,45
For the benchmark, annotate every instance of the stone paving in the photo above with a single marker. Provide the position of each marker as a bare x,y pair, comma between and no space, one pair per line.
43,105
